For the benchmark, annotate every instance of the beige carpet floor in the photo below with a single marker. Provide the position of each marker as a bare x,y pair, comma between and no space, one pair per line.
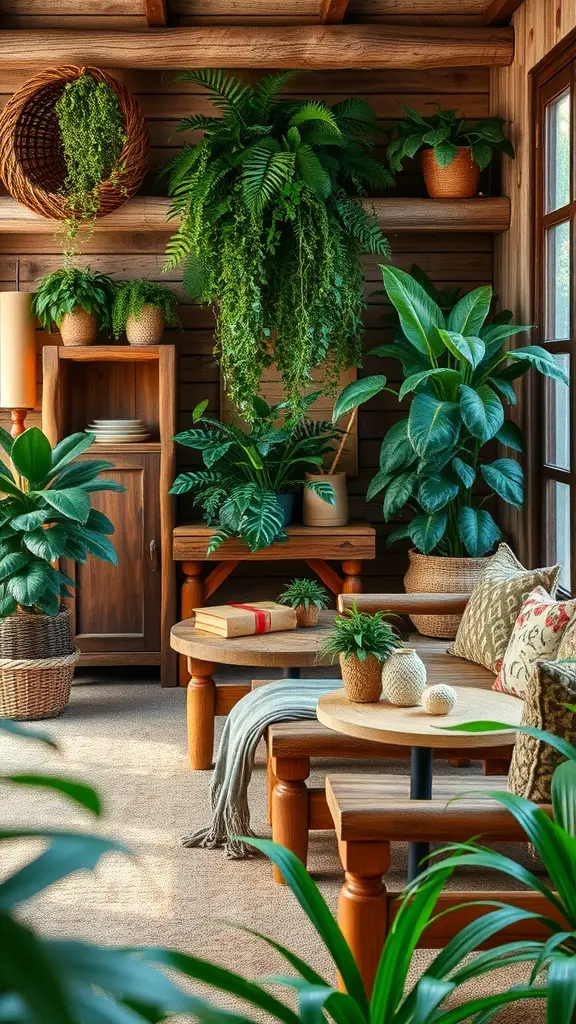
126,736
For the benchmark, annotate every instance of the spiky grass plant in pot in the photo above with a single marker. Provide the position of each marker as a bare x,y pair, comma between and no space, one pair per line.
362,643
307,597
142,308
75,301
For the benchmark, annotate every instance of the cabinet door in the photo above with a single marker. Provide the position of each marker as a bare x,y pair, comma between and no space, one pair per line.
117,608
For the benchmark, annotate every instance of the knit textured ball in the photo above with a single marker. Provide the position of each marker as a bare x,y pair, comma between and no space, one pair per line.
439,699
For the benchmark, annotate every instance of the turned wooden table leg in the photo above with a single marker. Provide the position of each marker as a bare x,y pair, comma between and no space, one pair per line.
271,781
290,807
362,904
352,583
191,596
200,703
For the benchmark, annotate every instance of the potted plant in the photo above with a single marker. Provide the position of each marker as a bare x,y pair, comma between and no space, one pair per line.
308,597
460,376
362,643
45,515
454,149
142,308
77,302
248,484
272,228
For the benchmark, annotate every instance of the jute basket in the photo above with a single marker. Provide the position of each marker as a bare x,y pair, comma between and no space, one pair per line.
32,164
27,635
362,679
147,328
79,327
32,688
434,574
307,616
459,180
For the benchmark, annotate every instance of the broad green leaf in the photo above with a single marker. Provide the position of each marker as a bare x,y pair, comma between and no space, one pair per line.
99,522
6,441
263,521
80,473
511,436
72,502
445,153
199,410
540,359
377,484
505,389
505,477
97,544
497,333
482,411
30,520
79,792
466,473
48,544
396,451
24,733
25,970
400,533
356,393
432,423
469,314
426,531
561,990
435,492
325,491
12,564
478,530
398,492
32,455
418,313
469,348
30,583
564,796
448,378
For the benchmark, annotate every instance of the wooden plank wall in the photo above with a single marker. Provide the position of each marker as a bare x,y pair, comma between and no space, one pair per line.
460,259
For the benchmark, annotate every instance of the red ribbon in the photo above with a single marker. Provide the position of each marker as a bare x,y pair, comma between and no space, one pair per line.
261,615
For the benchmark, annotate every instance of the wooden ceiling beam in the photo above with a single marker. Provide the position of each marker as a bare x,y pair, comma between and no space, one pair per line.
499,12
332,11
156,12
304,47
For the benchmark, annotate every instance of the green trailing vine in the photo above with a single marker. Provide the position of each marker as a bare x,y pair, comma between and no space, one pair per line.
91,127
130,297
272,229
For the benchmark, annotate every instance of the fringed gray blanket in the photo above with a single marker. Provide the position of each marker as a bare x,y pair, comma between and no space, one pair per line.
283,701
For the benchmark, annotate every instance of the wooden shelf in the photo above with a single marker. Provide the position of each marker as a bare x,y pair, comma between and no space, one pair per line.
110,353
150,214
138,446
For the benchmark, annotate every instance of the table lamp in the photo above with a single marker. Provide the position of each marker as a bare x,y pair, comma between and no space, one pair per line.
17,357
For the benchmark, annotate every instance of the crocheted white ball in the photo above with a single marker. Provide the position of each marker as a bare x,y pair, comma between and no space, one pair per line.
439,699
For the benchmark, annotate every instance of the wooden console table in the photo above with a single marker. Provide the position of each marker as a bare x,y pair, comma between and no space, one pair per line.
350,545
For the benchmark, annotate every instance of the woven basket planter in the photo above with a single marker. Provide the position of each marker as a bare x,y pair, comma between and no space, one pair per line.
26,635
307,616
32,163
434,574
146,329
32,688
459,180
362,679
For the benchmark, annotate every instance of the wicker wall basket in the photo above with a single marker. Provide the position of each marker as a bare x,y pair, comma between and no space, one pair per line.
433,574
32,688
32,163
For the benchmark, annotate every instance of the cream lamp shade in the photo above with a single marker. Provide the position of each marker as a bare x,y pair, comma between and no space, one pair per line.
17,351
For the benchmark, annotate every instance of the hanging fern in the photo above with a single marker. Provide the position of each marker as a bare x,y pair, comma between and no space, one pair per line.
272,229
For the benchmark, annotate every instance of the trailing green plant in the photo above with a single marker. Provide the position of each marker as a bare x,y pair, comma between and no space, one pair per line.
360,634
92,131
272,229
305,592
61,292
444,132
45,515
130,297
245,470
461,376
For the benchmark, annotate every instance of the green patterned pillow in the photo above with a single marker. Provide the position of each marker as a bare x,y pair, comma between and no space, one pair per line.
533,761
494,605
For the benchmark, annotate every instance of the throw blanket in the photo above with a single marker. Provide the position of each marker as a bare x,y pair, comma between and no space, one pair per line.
282,701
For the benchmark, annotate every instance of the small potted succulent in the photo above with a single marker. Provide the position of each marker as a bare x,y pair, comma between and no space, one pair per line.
454,150
77,302
142,308
363,643
307,597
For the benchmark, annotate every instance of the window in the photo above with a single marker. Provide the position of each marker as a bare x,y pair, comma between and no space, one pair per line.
554,300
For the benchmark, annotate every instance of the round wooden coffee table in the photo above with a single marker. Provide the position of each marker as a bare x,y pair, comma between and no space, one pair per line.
291,650
413,727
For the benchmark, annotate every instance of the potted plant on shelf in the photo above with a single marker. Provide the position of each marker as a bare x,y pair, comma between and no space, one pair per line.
45,515
273,228
77,302
249,481
460,376
307,597
142,308
454,150
362,643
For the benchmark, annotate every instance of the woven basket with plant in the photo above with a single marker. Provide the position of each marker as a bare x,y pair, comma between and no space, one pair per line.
307,597
362,644
141,308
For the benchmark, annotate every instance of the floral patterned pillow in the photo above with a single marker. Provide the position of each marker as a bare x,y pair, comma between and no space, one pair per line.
537,634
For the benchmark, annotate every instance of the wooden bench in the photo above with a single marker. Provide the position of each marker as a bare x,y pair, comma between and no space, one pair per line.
370,812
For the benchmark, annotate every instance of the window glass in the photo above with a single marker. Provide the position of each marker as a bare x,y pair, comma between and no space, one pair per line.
558,532
557,284
557,417
558,152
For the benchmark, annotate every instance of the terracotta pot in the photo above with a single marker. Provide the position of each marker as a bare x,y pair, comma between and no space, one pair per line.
307,616
317,512
79,327
147,329
435,574
457,181
362,679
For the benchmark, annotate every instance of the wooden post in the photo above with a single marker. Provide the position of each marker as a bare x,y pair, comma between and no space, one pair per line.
362,904
352,577
290,807
191,596
200,702
18,417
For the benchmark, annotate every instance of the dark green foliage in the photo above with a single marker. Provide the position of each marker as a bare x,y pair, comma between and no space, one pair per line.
361,634
304,592
130,297
245,470
443,132
272,229
59,293
45,514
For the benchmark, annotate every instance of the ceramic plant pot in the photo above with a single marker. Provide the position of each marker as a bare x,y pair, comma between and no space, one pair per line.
435,574
404,678
317,512
362,679
459,180
307,616
79,327
147,329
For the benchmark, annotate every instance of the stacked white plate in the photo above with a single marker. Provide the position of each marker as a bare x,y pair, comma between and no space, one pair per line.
119,431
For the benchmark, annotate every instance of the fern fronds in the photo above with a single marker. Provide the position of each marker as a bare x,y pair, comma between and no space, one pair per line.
228,94
362,226
263,175
267,90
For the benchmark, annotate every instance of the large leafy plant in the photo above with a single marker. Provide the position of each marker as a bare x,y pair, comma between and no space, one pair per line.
61,292
45,515
272,228
245,470
460,376
444,132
